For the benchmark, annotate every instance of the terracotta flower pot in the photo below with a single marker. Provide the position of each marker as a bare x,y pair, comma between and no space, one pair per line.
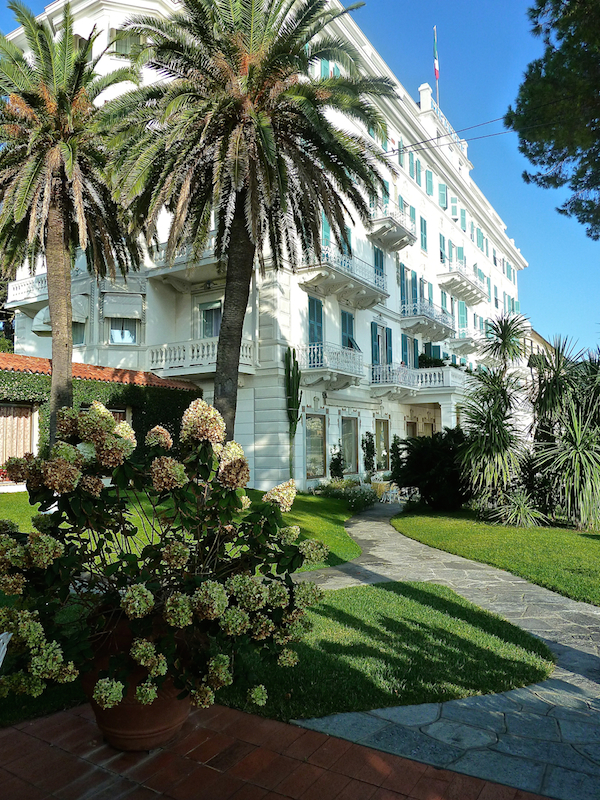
132,725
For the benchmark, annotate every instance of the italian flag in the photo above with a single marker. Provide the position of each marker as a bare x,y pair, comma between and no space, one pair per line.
436,63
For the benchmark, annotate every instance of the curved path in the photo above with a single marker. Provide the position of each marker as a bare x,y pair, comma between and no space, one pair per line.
544,738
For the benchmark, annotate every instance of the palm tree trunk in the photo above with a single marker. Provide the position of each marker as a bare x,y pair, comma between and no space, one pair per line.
58,266
240,267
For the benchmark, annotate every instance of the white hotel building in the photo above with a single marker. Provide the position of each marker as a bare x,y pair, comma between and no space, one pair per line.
434,266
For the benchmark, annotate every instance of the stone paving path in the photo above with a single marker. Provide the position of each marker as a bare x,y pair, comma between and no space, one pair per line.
543,738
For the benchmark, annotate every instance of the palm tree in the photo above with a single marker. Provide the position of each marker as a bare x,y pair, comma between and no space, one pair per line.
241,129
505,339
52,187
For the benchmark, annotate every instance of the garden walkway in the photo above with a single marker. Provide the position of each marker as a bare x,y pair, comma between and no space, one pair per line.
544,738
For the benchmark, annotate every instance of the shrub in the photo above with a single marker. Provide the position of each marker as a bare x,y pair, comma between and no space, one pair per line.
368,448
336,463
358,497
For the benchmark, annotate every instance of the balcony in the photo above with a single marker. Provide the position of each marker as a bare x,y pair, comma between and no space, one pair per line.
468,341
463,283
27,290
194,357
391,228
422,317
441,378
185,270
393,380
348,277
332,365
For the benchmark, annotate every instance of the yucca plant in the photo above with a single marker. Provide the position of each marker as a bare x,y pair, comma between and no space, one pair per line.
53,193
242,135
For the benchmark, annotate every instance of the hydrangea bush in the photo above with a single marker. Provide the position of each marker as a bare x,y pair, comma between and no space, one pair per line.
206,575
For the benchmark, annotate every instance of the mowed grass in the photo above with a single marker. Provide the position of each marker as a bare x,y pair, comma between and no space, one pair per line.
564,560
318,517
394,644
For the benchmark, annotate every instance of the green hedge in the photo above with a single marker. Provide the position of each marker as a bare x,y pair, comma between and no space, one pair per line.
151,405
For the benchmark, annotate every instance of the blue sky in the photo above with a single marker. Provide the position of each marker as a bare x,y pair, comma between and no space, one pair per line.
484,47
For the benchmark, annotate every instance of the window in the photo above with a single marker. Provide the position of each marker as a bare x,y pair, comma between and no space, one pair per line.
325,68
126,44
382,444
429,182
411,164
443,195
209,319
123,331
463,219
381,345
378,261
348,331
80,43
454,207
350,443
428,429
411,427
384,143
401,153
423,234
472,231
480,238
442,248
315,446
418,172
78,329
496,303
315,321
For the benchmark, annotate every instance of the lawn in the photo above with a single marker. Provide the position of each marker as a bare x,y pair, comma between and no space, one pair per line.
318,518
395,644
564,560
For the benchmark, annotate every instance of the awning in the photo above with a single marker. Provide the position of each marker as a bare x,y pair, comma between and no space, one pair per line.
125,306
80,312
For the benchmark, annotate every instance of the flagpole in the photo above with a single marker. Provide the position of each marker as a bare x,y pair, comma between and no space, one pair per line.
436,66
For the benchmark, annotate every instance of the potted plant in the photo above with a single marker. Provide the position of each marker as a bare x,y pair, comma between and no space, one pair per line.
149,584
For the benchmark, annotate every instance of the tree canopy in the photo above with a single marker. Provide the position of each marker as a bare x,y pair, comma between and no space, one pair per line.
557,110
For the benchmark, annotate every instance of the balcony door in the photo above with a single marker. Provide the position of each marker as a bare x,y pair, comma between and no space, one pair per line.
315,332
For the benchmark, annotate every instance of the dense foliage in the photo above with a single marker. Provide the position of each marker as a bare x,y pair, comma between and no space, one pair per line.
431,464
207,575
557,110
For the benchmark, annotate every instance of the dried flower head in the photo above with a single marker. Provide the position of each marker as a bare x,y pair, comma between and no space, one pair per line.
144,652
249,592
91,484
12,584
262,627
17,469
95,423
146,693
167,474
282,495
88,452
289,535
159,437
219,674
176,555
313,551
137,601
66,423
43,549
202,423
210,600
108,693
12,554
234,472
234,621
125,431
246,502
279,595
258,695
179,612
60,476
68,452
202,697
288,658
307,594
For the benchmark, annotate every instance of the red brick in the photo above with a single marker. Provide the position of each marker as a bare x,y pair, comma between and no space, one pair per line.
171,773
51,769
17,789
185,743
230,756
274,772
255,762
205,784
363,764
464,787
388,794
253,729
96,778
357,790
521,795
438,774
429,789
329,785
217,743
17,745
116,789
250,792
283,737
294,784
153,763
225,718
493,791
329,752
304,746
403,777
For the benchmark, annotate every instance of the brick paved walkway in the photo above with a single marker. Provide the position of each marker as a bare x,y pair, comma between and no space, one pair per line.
221,753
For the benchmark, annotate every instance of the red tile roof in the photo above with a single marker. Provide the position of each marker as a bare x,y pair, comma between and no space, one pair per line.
10,362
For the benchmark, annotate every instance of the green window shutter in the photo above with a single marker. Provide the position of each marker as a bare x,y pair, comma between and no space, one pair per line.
463,219
494,259
475,321
347,328
489,288
480,238
315,321
326,236
414,287
423,234
371,131
472,231
324,68
400,203
418,172
403,299
374,344
454,207
384,143
463,362
413,215
450,249
427,349
336,71
378,260
411,164
444,301
517,306
487,247
405,348
388,345
430,293
504,296
442,248
416,353
401,153
435,351
462,314
480,275
386,192
453,359
460,254
443,195
347,248
508,271
429,182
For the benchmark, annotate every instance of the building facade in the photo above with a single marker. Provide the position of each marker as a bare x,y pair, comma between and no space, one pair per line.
419,285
